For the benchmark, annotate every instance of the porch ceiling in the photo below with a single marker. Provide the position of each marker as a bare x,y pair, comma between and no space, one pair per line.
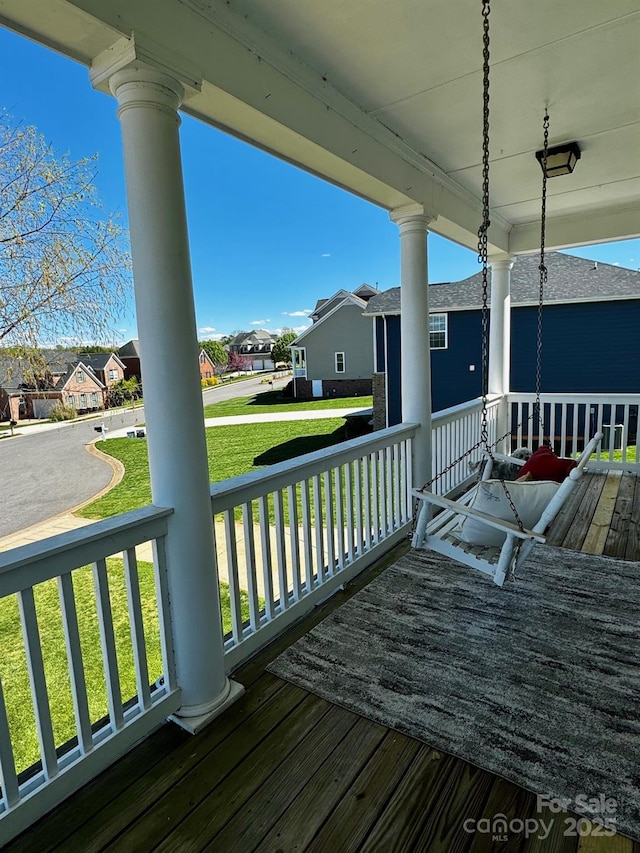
385,98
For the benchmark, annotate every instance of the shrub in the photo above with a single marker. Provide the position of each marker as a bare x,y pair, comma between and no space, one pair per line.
209,382
62,412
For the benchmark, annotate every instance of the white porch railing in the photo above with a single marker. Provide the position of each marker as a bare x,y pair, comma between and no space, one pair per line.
286,538
569,420
63,589
291,534
454,432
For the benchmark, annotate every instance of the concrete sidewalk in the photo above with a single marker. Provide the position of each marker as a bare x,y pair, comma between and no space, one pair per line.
68,522
263,418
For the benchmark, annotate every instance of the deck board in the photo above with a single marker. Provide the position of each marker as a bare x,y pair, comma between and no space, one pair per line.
283,770
618,535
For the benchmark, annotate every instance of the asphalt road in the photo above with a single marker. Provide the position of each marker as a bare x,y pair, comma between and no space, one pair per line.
47,472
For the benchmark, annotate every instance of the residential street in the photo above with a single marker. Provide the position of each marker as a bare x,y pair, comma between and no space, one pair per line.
48,470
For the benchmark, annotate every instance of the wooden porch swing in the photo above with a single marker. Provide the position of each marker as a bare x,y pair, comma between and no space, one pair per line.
496,542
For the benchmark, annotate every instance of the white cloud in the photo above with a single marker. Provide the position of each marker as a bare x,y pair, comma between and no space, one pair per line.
300,328
616,263
259,322
325,255
304,313
205,330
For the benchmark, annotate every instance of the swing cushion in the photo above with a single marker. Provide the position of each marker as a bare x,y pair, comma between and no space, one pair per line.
529,497
543,464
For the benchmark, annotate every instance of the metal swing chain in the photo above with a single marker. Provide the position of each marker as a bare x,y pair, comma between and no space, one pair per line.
482,258
483,249
483,253
543,274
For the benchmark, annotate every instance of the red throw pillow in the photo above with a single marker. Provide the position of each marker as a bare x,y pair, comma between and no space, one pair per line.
543,464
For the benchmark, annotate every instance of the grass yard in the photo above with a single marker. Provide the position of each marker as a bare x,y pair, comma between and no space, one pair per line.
272,401
231,451
13,667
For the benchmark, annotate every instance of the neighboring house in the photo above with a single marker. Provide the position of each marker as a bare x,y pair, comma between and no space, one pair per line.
129,355
590,324
334,356
64,378
106,365
256,347
207,367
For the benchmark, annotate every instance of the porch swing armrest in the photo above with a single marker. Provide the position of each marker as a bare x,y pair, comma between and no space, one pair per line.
490,520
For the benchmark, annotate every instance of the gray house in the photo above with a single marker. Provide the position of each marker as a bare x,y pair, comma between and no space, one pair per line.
255,348
334,356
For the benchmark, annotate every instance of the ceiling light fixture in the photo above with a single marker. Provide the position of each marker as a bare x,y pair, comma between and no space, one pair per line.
561,160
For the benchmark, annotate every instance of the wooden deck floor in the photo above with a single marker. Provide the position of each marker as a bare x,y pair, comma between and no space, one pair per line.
284,770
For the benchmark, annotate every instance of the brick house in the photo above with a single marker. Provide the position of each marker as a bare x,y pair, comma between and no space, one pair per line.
207,367
27,394
129,355
108,368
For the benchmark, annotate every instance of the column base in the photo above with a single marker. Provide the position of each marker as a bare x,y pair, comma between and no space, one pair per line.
193,719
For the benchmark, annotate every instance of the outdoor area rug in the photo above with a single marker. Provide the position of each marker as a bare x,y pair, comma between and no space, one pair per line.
538,682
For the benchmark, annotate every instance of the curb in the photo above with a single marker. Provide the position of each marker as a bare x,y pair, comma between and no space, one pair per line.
117,473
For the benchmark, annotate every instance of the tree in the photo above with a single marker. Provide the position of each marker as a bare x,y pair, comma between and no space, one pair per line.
281,351
239,362
124,391
64,271
216,352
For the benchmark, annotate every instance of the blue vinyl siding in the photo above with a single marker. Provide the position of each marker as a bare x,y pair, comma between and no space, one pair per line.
587,347
394,392
380,353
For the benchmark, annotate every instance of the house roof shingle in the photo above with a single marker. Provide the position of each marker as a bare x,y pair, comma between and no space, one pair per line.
570,279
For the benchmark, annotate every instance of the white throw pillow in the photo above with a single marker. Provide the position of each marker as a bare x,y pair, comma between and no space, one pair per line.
530,499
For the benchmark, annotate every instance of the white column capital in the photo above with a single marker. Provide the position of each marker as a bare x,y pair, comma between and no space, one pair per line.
503,262
139,86
129,63
412,217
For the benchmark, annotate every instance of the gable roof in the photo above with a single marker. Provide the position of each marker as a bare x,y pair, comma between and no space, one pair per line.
99,360
257,336
349,299
71,370
323,306
366,291
570,279
130,350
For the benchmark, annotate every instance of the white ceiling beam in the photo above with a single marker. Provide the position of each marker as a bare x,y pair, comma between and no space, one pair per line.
582,229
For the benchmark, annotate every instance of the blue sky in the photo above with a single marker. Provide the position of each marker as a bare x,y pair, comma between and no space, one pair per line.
267,239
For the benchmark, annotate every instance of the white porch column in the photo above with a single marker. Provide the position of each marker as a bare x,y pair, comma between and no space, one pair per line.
148,103
500,337
415,353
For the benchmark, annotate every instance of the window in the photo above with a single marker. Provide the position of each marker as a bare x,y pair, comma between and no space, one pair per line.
203,358
94,400
72,400
113,373
83,401
79,375
339,362
438,331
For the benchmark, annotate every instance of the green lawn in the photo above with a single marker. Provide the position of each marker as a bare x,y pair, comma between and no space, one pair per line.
13,668
231,450
272,401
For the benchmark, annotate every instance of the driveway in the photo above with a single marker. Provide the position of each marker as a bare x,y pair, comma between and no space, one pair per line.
47,469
